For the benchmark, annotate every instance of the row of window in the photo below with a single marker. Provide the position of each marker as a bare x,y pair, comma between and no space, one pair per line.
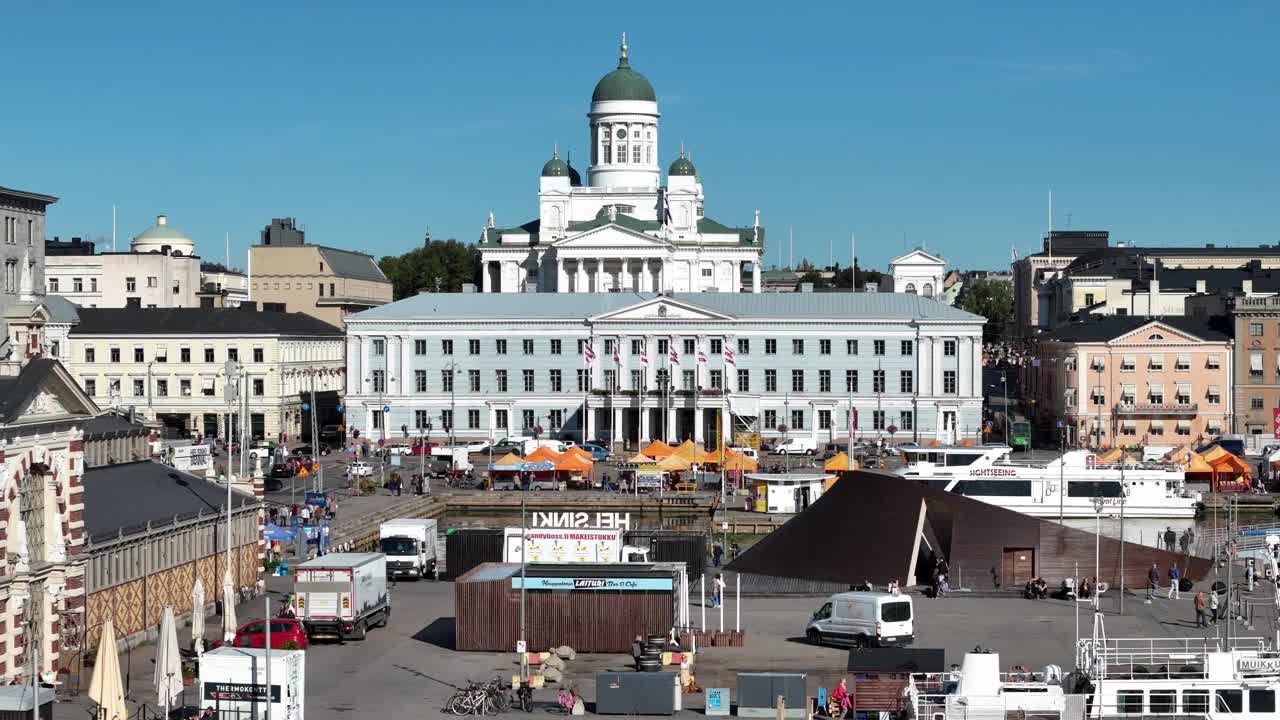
161,387
130,285
1156,428
161,355
1194,702
11,230
300,286
501,346
555,378
1155,363
1155,395
422,420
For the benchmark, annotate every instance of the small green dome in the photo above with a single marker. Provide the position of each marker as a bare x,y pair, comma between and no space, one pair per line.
555,167
682,166
623,83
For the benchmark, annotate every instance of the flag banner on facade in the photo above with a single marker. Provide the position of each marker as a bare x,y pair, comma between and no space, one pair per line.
702,357
617,355
728,357
588,355
675,357
644,358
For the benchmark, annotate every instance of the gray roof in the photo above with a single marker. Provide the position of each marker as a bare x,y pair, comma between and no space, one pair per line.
62,310
197,321
576,306
1111,327
110,424
129,495
348,264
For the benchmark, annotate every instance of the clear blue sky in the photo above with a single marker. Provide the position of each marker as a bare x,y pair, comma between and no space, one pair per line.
946,123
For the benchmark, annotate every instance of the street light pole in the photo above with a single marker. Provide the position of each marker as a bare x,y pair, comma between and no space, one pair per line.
1004,380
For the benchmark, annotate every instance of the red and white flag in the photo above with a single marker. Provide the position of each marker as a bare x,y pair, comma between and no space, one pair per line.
674,356
728,357
644,357
588,354
702,357
617,359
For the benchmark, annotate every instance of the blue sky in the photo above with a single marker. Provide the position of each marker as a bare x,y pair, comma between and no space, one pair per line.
941,125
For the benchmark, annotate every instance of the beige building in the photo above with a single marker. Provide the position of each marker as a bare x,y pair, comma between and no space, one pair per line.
1133,381
170,365
323,282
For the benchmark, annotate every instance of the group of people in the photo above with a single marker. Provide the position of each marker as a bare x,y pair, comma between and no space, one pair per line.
717,552
1183,540
1153,582
1036,589
1005,353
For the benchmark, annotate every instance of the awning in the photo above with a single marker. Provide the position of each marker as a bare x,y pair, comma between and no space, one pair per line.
1156,387
640,459
674,462
510,462
1129,424
1129,389
1157,424
543,454
579,452
1184,388
1130,361
1255,362
657,450
207,384
1215,390
1184,360
1184,424
573,463
1156,361
840,462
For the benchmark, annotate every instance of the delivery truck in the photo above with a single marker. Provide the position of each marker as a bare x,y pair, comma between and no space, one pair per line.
410,547
233,681
342,595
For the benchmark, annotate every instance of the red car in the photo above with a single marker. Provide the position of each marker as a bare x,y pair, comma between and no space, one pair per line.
283,631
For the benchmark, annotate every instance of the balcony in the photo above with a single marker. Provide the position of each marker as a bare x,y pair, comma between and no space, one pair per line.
1157,409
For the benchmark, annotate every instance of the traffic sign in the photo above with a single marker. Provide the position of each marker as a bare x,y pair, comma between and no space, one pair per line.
306,406
386,409
340,407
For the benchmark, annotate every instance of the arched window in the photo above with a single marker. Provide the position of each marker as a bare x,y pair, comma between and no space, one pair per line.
928,290
910,289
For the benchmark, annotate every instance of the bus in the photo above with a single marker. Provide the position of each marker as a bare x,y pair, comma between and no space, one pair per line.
1020,435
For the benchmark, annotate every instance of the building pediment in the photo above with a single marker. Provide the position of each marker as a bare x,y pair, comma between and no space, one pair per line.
918,257
1155,332
44,391
665,309
610,236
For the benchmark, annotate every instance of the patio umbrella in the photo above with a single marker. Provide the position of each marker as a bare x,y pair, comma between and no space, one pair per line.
197,615
106,688
168,676
228,608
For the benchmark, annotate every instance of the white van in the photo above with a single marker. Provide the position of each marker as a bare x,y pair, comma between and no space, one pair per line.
797,446
862,619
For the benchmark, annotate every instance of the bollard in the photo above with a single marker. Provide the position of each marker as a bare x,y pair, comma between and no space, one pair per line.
782,707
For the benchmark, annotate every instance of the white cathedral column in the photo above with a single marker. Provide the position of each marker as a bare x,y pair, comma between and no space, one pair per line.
755,275
486,279
562,279
580,276
626,275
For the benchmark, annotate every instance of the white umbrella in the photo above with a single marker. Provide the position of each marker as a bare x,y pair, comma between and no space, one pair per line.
228,609
105,688
168,662
197,615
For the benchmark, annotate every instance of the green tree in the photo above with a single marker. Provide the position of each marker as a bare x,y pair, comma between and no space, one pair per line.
992,300
437,266
812,276
841,279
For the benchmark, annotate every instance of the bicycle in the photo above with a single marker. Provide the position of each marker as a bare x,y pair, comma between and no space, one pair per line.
488,698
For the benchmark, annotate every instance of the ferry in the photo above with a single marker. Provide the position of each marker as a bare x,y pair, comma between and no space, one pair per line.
1124,678
987,473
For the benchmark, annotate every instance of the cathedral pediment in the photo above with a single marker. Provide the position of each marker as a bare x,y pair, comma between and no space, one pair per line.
663,308
611,236
43,391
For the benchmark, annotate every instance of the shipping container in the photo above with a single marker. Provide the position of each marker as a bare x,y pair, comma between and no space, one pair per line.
686,546
591,608
466,548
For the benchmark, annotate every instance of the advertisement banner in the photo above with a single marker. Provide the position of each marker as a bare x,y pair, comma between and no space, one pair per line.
564,545
1275,423
573,583
192,458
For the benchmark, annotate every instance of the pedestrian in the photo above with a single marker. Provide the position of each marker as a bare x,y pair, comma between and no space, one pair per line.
1169,538
717,552
1213,605
734,550
1200,606
717,591
1184,542
637,646
1153,583
1175,576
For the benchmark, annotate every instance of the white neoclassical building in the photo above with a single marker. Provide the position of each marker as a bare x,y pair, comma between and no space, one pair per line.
918,273
623,230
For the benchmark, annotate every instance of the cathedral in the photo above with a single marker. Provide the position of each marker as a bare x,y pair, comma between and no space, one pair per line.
624,230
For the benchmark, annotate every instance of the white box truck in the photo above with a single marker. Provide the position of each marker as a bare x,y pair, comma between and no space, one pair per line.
410,546
342,595
233,681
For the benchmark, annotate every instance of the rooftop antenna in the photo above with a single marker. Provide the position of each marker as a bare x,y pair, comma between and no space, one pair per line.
1050,247
853,272
791,253
227,238
113,227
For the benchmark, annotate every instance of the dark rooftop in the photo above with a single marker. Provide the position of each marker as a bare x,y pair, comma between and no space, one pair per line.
129,495
110,424
197,321
16,390
1111,327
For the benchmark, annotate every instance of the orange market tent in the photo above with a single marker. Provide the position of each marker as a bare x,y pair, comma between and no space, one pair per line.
674,463
657,450
573,463
688,451
737,462
641,459
579,452
509,459
839,462
1230,473
543,454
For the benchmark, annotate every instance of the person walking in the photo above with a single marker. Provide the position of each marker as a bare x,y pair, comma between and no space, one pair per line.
1175,576
1200,605
717,553
1213,605
717,591
1153,583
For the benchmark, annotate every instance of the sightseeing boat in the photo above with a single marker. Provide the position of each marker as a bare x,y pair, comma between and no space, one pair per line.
987,473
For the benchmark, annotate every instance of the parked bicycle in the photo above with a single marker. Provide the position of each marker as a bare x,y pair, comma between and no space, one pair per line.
488,698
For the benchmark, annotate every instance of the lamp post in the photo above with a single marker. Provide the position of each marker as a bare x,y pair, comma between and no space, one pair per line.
1098,504
452,367
1004,380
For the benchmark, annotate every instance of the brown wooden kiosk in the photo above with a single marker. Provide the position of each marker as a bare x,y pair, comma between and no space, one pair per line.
879,527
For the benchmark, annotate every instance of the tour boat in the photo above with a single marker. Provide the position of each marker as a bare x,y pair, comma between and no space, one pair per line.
986,473
1140,678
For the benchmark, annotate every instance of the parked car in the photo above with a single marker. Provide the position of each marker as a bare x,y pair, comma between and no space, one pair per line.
598,453
310,450
262,449
331,434
360,469
796,446
284,631
282,470
510,444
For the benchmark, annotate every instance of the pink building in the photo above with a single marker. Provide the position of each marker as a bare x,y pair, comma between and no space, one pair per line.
1125,380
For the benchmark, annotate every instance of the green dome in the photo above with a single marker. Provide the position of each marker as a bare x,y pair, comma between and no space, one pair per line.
623,83
682,166
555,167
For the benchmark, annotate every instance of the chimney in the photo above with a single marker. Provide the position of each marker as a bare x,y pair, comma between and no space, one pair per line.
1200,287
1246,287
806,287
162,220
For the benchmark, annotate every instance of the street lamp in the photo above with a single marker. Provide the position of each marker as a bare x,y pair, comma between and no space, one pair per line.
453,370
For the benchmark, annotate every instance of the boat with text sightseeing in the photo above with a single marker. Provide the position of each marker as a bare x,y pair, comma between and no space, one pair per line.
987,473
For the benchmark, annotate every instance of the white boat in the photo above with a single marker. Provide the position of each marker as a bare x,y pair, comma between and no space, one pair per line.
1147,678
986,473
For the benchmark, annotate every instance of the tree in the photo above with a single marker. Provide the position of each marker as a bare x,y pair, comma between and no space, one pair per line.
812,276
437,266
841,279
992,300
